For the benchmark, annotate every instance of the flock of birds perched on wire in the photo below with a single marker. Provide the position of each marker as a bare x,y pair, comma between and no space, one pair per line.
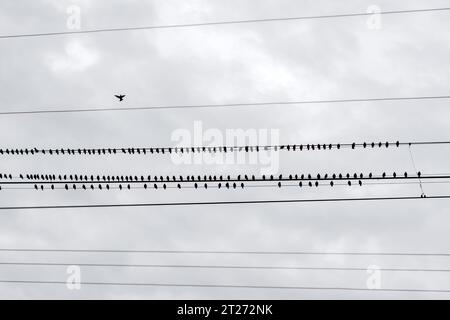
105,182
163,150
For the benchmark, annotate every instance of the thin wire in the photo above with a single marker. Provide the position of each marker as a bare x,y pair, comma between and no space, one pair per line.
252,104
415,170
182,204
232,252
229,286
177,266
223,180
220,23
246,186
208,149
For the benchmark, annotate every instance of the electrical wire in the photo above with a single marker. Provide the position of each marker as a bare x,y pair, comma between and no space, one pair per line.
215,203
217,23
223,286
178,266
229,105
209,149
229,252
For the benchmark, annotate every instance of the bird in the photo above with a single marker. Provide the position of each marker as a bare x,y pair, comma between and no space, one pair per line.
120,97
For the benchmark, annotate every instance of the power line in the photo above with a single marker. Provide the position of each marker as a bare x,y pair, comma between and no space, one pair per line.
74,182
80,179
231,252
231,105
177,266
246,186
203,24
183,204
210,149
199,184
230,286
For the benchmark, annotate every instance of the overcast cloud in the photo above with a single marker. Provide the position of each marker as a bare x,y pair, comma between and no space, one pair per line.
276,61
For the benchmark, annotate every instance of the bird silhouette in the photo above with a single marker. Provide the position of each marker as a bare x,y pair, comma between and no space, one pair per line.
120,97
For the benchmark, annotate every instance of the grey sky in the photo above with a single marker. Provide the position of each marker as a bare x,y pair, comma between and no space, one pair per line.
295,60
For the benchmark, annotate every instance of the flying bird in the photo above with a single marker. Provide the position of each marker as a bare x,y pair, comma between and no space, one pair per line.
120,97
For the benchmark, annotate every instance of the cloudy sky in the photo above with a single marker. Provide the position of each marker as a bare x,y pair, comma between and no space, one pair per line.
278,61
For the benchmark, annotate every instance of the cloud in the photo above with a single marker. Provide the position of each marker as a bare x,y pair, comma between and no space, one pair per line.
290,60
77,57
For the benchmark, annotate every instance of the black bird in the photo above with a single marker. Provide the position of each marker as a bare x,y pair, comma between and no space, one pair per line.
120,97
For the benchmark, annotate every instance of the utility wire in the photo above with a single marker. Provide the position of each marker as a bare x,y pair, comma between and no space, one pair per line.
191,182
177,266
211,149
225,179
203,24
138,284
221,184
212,203
232,252
80,178
246,186
231,105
